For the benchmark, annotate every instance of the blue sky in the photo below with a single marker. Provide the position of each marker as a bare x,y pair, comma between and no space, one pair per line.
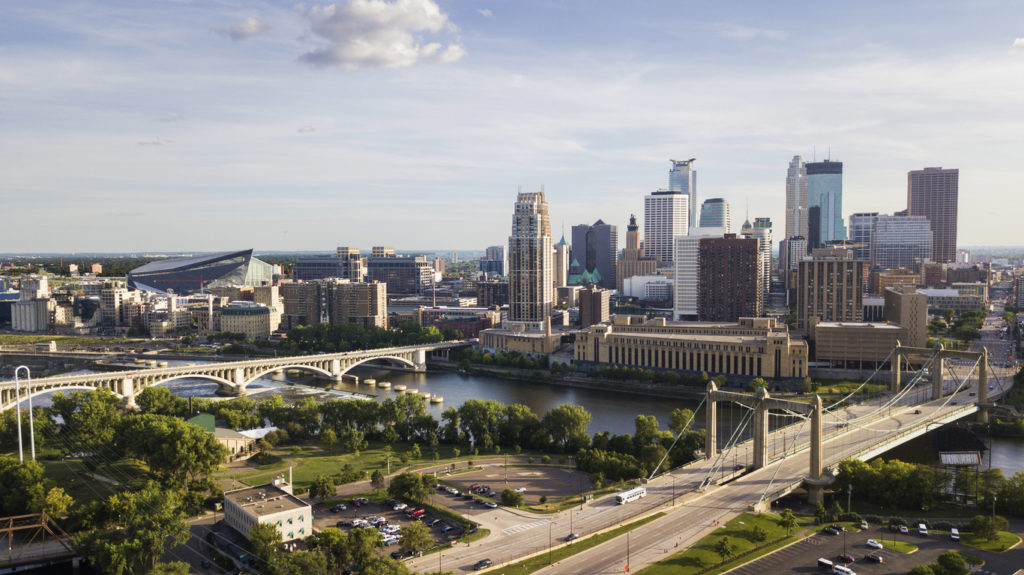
206,125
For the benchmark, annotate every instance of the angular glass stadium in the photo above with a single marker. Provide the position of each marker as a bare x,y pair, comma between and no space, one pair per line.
194,274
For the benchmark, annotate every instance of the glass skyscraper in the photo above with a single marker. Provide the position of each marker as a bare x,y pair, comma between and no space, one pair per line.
714,213
825,192
683,178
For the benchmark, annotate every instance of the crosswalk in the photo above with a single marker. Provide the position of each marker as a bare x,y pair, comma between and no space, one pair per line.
524,527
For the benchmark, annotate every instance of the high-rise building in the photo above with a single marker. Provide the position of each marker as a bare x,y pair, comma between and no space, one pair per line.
346,263
687,272
334,301
796,198
595,304
531,285
683,178
714,213
830,287
730,271
825,192
905,306
861,226
493,262
561,263
900,242
762,232
596,248
666,215
492,293
402,274
632,261
933,193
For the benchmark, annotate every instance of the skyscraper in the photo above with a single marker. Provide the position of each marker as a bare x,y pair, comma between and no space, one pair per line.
762,232
666,215
530,253
731,267
561,275
861,226
796,198
596,248
933,193
825,192
632,261
683,178
830,287
900,242
714,213
687,272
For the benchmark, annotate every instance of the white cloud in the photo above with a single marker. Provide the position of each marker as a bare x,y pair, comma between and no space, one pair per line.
1018,44
306,129
245,29
485,12
380,34
741,32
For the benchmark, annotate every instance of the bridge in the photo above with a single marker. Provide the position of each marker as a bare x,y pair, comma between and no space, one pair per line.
27,541
232,377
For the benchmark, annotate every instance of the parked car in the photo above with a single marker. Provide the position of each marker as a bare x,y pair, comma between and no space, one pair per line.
838,527
874,558
491,504
399,506
845,558
874,544
829,531
904,530
482,564
433,522
863,525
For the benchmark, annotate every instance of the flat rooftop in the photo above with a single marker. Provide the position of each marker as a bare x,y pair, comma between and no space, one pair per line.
264,500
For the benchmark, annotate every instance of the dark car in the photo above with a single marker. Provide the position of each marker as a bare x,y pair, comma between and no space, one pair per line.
874,558
846,558
572,536
829,531
205,564
482,564
838,527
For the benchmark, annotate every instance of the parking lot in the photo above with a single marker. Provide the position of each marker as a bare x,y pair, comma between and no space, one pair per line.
802,556
386,518
552,482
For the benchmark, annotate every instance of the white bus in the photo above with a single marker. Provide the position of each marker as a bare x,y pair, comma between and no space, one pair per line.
631,495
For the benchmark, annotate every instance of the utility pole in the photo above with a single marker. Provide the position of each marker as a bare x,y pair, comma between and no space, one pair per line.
549,542
627,551
849,495
673,491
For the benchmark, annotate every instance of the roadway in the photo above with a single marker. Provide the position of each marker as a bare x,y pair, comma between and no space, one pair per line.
853,431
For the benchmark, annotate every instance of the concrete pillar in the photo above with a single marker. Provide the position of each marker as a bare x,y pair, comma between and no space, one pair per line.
983,387
711,422
421,360
761,432
816,416
128,393
896,364
238,377
937,374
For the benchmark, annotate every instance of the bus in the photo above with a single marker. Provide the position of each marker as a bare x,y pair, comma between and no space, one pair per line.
631,495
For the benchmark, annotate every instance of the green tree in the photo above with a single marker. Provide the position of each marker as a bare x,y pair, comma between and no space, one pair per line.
57,502
384,566
137,528
322,487
415,536
172,568
724,548
377,480
329,438
304,562
409,486
362,544
952,563
176,451
567,427
678,419
333,543
265,540
161,401
22,486
758,534
788,521
511,498
921,570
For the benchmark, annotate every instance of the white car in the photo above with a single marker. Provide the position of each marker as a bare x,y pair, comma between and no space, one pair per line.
491,504
874,544
520,490
399,506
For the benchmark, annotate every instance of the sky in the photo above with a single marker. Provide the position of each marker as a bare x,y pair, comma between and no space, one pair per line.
176,125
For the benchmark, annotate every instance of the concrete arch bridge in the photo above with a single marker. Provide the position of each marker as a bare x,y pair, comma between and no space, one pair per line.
231,377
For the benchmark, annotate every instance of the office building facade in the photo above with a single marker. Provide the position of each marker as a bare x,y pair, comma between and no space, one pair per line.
493,262
905,306
934,194
403,275
830,288
900,242
683,178
530,251
862,225
595,305
761,230
687,272
796,198
346,263
596,248
714,213
666,216
632,261
729,271
825,202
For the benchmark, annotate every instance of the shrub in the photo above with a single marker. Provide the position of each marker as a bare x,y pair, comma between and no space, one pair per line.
849,517
546,459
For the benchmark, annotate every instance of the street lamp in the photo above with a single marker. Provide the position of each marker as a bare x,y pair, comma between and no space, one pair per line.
549,542
31,424
673,491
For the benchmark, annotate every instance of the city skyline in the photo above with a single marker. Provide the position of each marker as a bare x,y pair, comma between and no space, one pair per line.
207,128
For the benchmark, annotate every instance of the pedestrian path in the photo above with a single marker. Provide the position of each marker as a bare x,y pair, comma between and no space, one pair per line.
524,527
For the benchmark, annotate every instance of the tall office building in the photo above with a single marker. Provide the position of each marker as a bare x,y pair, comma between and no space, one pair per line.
825,192
796,198
683,178
346,263
561,263
594,304
830,287
666,215
933,193
900,242
714,213
687,272
402,274
762,232
730,273
632,261
905,306
335,301
531,286
861,226
596,248
493,262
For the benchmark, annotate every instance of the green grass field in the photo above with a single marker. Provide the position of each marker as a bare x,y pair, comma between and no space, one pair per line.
538,562
740,533
1005,541
901,546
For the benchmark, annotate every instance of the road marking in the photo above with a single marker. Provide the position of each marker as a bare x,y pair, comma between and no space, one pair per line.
524,527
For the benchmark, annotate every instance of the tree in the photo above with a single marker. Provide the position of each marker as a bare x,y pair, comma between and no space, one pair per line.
921,570
724,548
362,544
160,401
384,566
329,438
415,536
265,539
377,480
172,568
409,486
175,450
758,534
305,562
333,543
952,563
678,419
567,426
322,487
137,528
511,498
987,526
788,521
57,502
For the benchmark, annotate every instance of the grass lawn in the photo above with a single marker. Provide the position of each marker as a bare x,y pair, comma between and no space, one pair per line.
901,546
1005,541
740,533
538,562
569,501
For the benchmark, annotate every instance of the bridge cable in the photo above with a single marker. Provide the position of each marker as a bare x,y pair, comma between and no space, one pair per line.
682,432
729,446
861,386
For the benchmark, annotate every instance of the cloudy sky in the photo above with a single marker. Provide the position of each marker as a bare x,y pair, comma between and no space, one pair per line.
214,125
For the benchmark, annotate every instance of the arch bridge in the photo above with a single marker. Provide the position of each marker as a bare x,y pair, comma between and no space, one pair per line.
232,377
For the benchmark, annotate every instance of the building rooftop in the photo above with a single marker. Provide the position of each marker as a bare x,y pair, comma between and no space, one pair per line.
860,324
265,500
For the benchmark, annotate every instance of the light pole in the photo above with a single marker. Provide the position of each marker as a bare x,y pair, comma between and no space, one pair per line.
627,551
849,495
549,542
31,423
570,524
673,491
